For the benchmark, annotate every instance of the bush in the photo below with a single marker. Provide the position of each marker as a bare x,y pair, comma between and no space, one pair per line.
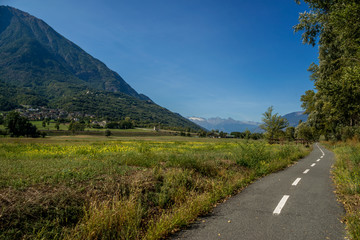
347,133
108,133
250,155
3,132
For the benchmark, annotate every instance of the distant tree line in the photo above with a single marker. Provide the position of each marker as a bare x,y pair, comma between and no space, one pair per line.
247,135
277,129
124,124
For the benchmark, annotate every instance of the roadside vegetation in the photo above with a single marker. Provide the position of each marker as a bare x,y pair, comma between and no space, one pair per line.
124,189
347,178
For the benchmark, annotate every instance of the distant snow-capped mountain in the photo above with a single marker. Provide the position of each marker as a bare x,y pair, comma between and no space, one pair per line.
226,125
230,125
197,119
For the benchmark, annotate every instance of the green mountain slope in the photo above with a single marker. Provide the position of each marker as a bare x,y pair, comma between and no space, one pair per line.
37,56
39,67
119,105
11,97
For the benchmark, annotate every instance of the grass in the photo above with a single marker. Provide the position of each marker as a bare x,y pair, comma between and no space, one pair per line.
120,188
347,178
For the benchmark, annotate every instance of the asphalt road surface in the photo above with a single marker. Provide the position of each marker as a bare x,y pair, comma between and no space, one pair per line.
297,203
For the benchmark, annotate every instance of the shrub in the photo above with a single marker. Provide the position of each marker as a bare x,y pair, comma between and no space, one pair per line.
108,133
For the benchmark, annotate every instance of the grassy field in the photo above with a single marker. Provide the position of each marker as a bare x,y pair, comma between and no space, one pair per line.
347,178
90,187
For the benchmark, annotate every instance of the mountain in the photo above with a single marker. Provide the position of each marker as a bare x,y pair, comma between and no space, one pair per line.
230,125
294,118
39,67
37,56
226,125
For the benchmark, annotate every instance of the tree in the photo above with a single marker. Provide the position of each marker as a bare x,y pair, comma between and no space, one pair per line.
76,127
222,134
202,133
247,134
290,133
112,125
127,124
335,27
256,136
43,134
273,124
306,132
18,126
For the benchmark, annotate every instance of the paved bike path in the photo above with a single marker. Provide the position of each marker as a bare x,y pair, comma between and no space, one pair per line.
297,203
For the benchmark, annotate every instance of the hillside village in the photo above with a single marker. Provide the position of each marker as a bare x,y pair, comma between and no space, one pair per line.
41,113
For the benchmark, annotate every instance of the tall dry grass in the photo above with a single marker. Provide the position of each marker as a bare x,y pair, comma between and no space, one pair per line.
347,178
124,189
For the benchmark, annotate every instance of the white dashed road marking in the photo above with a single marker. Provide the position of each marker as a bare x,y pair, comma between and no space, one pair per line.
306,171
313,164
296,182
281,205
320,150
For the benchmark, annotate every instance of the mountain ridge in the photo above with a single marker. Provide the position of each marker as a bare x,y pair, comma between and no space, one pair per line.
69,58
40,67
294,118
230,125
226,125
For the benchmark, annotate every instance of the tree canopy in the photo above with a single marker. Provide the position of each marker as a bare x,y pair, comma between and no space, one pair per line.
333,25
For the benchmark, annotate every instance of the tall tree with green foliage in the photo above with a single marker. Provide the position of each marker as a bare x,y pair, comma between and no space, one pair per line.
306,132
57,126
18,126
335,26
290,133
273,124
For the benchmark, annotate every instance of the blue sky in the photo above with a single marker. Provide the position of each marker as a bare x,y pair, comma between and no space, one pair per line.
204,58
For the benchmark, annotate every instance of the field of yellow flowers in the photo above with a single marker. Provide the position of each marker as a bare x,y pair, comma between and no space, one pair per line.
124,189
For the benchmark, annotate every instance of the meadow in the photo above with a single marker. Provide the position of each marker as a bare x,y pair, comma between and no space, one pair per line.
347,178
88,187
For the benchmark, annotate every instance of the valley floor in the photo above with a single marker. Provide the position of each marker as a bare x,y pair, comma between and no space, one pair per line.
97,187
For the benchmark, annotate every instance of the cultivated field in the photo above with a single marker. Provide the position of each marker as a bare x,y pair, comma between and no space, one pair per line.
91,187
